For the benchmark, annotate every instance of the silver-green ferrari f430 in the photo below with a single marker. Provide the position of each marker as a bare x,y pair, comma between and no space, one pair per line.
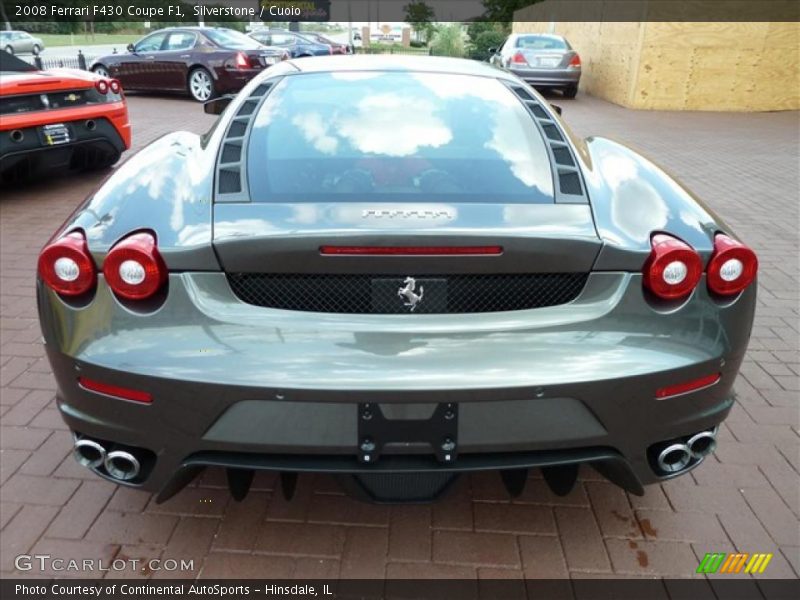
395,270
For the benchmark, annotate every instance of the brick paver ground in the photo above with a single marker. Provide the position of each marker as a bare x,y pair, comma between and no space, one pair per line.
745,166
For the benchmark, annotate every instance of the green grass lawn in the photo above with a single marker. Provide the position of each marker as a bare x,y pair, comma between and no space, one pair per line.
80,39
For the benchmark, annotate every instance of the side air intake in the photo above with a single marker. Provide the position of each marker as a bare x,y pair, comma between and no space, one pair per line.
232,163
570,183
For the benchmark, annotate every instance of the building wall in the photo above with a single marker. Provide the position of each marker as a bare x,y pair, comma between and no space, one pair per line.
676,65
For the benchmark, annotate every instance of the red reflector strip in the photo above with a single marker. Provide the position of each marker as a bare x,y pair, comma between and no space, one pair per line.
411,250
689,386
115,390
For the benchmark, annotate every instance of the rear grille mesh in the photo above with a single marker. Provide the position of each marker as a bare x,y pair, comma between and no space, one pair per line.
377,294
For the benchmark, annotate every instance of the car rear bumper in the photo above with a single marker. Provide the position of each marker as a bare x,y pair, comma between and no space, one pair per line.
233,384
92,139
548,77
233,80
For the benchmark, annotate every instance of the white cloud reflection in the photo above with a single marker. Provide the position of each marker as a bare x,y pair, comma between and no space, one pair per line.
403,121
373,128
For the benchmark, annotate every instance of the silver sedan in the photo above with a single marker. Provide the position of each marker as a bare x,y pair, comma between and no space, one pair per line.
20,42
541,60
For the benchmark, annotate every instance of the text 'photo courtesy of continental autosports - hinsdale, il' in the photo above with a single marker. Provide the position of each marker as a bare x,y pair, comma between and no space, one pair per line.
475,290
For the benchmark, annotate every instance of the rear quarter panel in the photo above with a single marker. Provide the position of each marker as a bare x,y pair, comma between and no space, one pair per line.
165,188
632,198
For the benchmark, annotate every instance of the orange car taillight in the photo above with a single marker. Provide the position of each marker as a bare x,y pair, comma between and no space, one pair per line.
673,268
115,86
134,268
66,266
576,61
101,85
519,59
732,267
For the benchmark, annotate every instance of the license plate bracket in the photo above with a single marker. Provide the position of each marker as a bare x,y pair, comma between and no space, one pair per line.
55,134
375,431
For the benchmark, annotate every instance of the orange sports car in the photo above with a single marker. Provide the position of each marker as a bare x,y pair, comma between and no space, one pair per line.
58,118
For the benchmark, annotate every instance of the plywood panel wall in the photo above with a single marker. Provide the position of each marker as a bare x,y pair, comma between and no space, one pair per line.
676,65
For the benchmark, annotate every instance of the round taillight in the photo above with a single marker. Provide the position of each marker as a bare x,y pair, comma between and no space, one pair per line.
732,267
134,268
66,266
101,85
673,268
115,86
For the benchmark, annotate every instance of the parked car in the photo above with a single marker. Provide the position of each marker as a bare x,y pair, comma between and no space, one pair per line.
58,118
396,306
336,47
20,42
200,61
297,45
541,60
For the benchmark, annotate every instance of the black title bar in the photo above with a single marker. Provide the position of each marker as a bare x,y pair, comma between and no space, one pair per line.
193,11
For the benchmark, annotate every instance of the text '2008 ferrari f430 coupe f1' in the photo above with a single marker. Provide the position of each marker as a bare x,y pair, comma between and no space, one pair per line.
418,273
60,118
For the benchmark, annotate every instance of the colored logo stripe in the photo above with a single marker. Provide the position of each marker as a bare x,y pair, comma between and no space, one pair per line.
711,562
721,562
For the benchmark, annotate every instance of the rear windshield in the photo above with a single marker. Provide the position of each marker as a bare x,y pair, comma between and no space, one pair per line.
538,42
230,38
395,136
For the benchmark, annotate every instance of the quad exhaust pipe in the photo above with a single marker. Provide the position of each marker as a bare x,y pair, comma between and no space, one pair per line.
119,464
676,455
89,453
122,465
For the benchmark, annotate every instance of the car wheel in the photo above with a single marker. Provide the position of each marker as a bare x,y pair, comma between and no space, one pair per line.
36,50
570,91
101,71
10,49
201,86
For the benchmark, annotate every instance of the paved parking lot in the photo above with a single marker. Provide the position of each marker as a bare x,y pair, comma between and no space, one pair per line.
746,497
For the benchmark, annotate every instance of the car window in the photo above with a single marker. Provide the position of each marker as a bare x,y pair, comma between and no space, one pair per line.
282,39
537,42
152,43
180,40
462,138
232,39
261,37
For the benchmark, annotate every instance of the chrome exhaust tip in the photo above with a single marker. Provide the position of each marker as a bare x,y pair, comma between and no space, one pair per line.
17,136
674,457
89,453
90,124
703,443
122,465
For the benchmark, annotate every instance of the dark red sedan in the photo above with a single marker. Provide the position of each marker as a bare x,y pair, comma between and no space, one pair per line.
201,61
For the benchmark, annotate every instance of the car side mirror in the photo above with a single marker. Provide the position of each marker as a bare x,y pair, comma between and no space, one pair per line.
217,105
556,108
492,50
131,49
